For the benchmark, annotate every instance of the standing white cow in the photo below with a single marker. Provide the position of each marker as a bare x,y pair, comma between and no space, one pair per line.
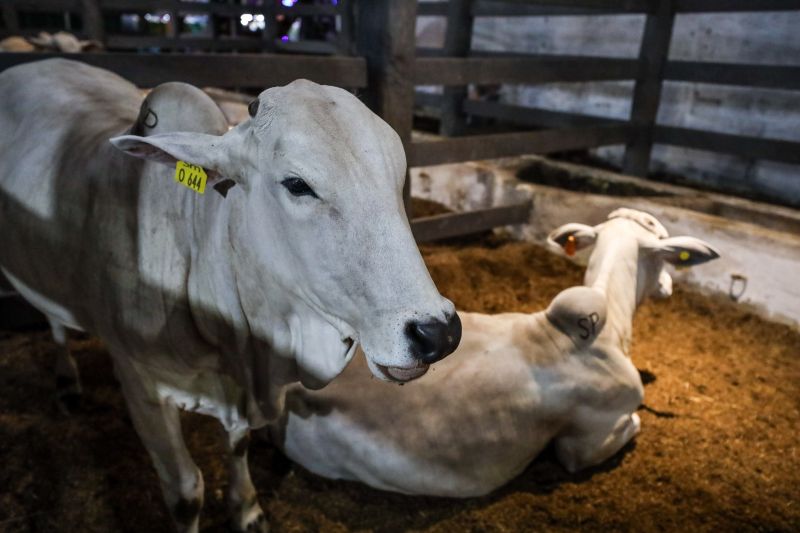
212,303
516,382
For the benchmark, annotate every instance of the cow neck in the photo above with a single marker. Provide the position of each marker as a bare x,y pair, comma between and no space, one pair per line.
613,269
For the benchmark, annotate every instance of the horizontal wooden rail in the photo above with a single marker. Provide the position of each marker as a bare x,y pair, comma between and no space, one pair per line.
55,6
217,9
529,69
633,6
500,8
240,70
428,229
766,76
220,43
754,147
534,116
479,147
531,8
710,6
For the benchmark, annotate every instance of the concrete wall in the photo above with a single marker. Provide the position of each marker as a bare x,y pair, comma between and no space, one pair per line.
766,38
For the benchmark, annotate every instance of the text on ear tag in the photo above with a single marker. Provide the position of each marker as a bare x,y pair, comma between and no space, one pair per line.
191,176
570,246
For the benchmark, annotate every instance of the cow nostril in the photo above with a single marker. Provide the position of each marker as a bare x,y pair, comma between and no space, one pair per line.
433,340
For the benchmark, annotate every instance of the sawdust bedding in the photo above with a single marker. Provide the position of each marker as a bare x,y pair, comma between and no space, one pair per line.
718,448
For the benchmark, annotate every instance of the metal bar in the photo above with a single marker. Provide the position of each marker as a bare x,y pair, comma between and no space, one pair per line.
428,229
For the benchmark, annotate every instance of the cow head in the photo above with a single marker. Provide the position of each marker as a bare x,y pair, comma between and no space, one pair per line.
639,239
317,211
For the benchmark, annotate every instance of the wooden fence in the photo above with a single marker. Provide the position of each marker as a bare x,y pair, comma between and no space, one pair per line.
376,53
455,66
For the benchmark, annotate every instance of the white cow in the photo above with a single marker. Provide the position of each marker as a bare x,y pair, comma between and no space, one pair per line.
516,382
212,303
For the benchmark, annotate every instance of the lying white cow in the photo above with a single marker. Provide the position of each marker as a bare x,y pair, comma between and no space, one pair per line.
213,303
516,382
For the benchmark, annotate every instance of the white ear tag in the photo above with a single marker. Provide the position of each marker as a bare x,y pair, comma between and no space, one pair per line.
191,176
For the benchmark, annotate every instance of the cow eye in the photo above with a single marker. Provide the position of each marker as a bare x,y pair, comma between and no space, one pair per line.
298,187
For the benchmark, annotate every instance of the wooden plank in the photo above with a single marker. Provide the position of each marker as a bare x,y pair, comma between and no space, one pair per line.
432,9
93,20
457,43
346,40
385,37
270,32
479,147
500,8
218,70
307,47
753,147
647,91
534,116
765,76
626,6
10,18
428,229
525,70
217,9
222,43
719,6
53,6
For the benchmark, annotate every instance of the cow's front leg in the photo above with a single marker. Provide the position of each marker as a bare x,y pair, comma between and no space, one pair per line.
595,442
246,513
158,425
68,383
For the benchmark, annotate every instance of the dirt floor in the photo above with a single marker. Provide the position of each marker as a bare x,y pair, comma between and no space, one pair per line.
718,449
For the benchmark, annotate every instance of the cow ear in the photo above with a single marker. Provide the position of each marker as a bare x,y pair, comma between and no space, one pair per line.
208,151
572,237
685,251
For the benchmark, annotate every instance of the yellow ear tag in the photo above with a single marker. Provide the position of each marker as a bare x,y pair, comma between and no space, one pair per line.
570,246
191,176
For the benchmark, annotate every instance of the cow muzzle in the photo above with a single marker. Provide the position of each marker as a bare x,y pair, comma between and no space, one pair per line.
432,340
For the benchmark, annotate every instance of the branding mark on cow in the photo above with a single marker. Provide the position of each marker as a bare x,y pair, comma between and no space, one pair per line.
589,325
191,176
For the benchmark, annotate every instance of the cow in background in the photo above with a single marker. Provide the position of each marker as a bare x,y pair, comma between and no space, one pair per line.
516,383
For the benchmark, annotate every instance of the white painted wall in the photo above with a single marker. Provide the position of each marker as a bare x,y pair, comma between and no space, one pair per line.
765,38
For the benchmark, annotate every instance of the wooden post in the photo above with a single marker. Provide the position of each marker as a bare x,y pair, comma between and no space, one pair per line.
10,18
457,43
647,92
270,32
345,40
385,36
93,21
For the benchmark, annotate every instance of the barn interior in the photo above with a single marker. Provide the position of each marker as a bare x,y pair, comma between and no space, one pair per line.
516,116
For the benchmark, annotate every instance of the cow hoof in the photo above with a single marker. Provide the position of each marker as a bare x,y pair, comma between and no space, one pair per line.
254,522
